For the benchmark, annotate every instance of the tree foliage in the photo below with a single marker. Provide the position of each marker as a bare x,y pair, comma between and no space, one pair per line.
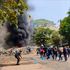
65,27
10,9
47,37
56,38
42,36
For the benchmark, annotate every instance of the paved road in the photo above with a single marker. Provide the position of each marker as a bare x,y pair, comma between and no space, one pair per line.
33,62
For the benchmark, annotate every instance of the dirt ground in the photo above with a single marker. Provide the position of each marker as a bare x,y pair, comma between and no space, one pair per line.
32,62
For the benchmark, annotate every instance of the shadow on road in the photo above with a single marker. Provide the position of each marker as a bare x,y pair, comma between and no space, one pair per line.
2,65
24,63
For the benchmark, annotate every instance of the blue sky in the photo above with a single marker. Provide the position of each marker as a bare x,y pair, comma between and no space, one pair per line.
53,10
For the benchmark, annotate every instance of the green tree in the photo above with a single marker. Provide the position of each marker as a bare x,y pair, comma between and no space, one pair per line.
56,38
42,36
65,28
10,9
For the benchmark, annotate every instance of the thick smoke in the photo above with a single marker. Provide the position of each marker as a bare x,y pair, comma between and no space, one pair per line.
18,36
22,28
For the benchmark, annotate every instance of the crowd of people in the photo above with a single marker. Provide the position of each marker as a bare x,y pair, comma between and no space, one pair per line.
62,53
54,53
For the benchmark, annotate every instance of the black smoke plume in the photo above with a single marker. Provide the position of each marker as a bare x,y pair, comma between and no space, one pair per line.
18,36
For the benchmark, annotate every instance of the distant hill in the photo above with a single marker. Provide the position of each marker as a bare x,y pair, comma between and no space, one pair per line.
44,23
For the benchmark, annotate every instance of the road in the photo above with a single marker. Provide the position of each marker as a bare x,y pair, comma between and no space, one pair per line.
33,62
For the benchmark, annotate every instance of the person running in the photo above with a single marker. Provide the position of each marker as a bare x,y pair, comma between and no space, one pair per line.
18,56
49,53
42,52
54,55
38,51
68,51
60,54
65,53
